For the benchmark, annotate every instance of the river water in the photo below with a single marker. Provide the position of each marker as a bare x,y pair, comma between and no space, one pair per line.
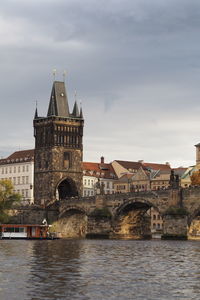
99,269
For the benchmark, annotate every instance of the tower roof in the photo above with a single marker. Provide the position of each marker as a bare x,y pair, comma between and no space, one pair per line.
36,114
58,104
75,112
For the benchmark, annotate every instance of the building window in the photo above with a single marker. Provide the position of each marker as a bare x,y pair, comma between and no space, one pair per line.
88,181
18,169
10,169
26,193
6,170
154,217
27,168
14,169
18,180
23,168
108,185
85,181
27,179
23,179
66,160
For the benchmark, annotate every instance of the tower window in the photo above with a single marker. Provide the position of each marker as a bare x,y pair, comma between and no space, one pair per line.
66,160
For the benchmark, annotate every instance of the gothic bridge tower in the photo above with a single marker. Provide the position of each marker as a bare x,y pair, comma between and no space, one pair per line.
58,150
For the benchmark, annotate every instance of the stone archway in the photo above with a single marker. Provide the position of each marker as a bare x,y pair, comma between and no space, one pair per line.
133,220
66,188
194,225
72,223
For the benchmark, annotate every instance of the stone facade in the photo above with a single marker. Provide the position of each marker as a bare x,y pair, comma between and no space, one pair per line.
58,150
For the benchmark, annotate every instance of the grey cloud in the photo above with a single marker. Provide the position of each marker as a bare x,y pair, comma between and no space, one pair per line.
135,65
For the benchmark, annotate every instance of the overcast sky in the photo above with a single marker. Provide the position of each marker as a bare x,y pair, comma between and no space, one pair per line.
134,63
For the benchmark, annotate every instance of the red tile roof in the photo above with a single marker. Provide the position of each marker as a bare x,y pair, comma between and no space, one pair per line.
154,166
99,170
22,154
129,164
19,156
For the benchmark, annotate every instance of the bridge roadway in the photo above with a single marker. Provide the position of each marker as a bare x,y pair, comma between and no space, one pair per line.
162,200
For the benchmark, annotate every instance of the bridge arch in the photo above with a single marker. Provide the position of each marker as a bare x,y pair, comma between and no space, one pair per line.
194,224
72,222
135,202
132,219
66,188
72,209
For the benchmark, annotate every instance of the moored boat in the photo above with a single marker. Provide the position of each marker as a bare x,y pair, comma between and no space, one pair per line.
25,231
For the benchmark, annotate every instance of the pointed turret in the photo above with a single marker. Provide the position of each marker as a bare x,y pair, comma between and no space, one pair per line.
36,114
58,105
81,113
75,112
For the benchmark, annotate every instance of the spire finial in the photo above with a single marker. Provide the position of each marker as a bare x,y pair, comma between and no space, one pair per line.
75,95
64,75
54,74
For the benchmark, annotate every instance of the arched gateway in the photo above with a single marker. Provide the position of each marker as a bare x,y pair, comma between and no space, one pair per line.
58,149
66,188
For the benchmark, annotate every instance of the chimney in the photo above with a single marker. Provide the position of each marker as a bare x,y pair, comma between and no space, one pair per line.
141,161
102,160
167,163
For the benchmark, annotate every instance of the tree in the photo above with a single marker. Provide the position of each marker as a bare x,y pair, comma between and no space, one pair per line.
7,198
195,178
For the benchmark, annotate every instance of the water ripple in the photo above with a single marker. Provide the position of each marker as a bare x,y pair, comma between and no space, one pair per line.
99,269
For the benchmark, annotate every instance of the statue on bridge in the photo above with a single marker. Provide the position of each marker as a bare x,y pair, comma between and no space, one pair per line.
100,188
174,181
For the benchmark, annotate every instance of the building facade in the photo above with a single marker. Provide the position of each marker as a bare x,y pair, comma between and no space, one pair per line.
19,169
96,175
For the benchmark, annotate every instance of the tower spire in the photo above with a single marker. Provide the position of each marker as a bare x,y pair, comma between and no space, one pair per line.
75,112
36,111
81,111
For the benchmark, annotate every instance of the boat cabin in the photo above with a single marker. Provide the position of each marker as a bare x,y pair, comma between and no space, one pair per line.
21,231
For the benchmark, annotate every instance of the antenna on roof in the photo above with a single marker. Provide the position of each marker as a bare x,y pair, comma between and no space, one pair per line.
64,75
54,74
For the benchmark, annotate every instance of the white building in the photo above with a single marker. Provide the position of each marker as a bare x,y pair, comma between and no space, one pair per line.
98,172
19,168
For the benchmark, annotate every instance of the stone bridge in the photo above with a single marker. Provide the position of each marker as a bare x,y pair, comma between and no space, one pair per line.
125,215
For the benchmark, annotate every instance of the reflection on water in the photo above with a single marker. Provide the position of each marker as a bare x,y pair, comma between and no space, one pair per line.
99,269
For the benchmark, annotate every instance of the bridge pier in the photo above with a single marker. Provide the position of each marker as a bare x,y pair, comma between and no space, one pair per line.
175,226
98,227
